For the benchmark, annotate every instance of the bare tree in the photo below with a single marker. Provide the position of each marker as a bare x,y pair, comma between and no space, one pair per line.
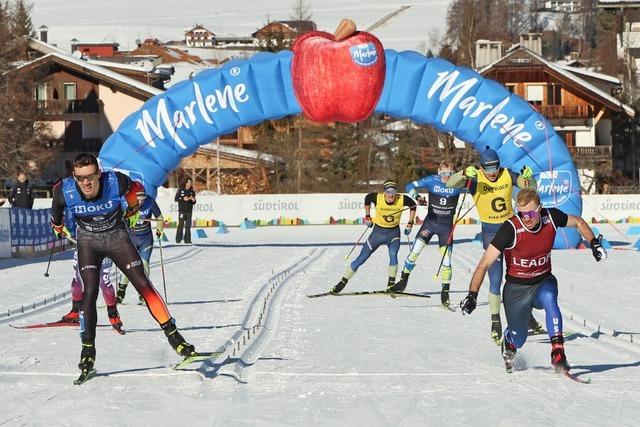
301,11
471,20
25,141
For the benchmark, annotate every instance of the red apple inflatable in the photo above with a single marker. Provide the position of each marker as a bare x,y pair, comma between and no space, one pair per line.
337,80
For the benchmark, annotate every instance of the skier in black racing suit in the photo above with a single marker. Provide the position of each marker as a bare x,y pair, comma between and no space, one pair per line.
93,198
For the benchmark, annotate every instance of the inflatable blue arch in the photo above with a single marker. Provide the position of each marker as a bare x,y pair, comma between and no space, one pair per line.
150,143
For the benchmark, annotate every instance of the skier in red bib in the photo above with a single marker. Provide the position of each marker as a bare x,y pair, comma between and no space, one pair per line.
526,240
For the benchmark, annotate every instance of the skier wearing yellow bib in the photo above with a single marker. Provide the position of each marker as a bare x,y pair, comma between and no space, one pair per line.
386,230
492,190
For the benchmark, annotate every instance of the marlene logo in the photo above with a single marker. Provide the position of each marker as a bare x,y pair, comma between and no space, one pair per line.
364,54
201,107
476,108
554,187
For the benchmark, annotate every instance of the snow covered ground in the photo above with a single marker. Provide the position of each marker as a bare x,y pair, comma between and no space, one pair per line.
371,360
124,21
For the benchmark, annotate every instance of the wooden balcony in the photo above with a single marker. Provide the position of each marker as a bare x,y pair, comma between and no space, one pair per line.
598,154
63,106
560,112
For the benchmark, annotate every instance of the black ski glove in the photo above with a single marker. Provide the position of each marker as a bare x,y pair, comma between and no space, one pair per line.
468,304
599,253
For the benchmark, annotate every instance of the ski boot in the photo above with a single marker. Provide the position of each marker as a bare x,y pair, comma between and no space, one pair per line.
87,359
114,318
122,289
87,356
535,328
496,328
558,358
508,354
176,340
340,286
444,295
74,315
400,285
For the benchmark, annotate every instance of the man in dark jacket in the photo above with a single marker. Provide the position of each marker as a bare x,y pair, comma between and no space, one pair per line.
186,198
21,195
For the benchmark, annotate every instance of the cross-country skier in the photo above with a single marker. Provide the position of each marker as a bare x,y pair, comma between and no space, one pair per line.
526,241
439,221
386,230
108,293
142,238
492,189
93,198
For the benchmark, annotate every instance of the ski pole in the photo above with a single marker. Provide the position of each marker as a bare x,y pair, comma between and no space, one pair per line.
164,284
53,245
356,243
409,241
401,210
450,237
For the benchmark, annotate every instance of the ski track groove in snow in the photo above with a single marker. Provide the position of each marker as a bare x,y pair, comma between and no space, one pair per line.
260,322
365,360
51,301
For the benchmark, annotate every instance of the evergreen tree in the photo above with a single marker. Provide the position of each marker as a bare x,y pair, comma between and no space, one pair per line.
25,141
22,25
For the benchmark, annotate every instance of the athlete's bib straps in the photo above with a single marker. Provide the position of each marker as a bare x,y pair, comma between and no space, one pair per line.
493,199
388,215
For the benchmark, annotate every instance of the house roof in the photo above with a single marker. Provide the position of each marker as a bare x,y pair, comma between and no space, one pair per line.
587,73
103,74
167,55
298,27
240,154
112,62
43,47
563,74
197,27
79,43
627,3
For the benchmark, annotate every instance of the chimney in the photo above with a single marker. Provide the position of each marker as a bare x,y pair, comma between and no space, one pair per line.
487,52
532,41
43,33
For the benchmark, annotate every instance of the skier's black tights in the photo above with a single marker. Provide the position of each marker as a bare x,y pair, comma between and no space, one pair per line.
114,244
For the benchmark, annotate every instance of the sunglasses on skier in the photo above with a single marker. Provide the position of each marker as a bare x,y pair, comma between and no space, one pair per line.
491,169
91,177
529,215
